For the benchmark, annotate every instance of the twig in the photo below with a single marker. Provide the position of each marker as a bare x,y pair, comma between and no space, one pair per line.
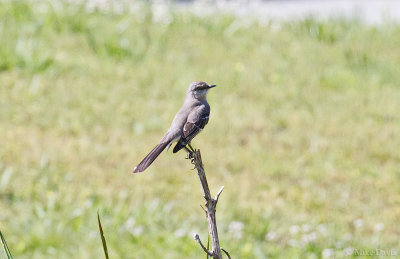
197,238
210,207
226,252
203,209
219,193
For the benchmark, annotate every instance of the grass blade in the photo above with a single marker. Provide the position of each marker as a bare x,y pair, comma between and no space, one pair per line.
208,244
103,240
3,241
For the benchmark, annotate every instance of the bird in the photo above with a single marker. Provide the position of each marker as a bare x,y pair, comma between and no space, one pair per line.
187,123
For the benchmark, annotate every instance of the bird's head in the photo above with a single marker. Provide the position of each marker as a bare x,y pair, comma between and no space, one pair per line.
199,90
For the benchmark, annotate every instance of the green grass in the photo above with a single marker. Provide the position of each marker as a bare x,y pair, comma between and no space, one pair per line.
303,134
103,239
4,250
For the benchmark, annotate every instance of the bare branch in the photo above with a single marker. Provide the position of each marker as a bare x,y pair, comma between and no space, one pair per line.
210,206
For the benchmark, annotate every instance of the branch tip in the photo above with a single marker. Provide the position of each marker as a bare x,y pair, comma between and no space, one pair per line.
219,193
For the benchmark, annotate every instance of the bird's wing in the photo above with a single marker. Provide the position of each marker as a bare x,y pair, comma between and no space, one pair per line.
195,123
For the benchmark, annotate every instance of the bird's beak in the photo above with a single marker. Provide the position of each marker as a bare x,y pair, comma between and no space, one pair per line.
211,86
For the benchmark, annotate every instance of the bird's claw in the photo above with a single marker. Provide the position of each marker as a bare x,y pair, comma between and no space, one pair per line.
189,156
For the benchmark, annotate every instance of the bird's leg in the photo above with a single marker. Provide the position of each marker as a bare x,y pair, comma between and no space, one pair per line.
189,153
190,146
192,155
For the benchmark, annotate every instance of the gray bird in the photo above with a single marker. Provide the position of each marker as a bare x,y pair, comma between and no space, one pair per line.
188,122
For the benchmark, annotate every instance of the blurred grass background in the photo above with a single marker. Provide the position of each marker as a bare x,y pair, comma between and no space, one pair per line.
303,133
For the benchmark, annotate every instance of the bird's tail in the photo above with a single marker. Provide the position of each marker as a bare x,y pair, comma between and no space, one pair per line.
146,162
